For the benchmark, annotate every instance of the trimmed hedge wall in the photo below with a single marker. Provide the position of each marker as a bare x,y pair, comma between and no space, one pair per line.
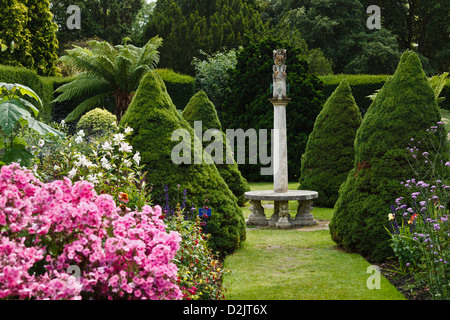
365,85
43,86
361,85
180,87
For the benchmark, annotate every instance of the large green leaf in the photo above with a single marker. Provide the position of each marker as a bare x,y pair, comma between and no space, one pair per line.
30,105
26,91
19,155
42,128
19,90
11,111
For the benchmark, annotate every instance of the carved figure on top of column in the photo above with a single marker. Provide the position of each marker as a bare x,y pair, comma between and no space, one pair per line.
279,74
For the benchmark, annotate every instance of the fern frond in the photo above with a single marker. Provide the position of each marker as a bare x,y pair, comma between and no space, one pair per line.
87,105
123,65
79,88
91,63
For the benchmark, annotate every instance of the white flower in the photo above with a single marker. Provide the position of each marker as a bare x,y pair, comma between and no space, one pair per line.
118,138
63,123
78,139
72,173
127,163
107,146
80,133
105,163
125,147
137,157
41,143
56,167
83,161
92,178
128,130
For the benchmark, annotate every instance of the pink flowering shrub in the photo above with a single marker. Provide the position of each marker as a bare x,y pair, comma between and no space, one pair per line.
48,229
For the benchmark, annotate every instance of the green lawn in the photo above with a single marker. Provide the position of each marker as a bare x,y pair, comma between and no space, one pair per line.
298,265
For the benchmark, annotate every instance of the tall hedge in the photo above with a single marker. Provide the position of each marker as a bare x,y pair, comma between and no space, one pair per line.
403,109
43,86
200,108
247,105
180,87
362,85
329,153
154,119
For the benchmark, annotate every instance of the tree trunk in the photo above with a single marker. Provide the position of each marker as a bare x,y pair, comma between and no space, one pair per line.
123,100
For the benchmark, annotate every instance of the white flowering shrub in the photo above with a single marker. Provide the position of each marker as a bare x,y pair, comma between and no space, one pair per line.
109,162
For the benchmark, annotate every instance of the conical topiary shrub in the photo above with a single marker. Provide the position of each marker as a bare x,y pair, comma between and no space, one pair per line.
329,153
403,109
154,119
200,108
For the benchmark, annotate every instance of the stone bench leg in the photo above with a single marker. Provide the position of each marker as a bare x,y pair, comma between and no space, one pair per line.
304,216
257,216
274,219
284,220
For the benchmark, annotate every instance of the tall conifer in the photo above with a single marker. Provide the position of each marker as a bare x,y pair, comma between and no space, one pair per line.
403,109
329,153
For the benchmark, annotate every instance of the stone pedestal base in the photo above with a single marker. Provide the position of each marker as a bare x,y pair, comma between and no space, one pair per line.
284,219
304,216
257,218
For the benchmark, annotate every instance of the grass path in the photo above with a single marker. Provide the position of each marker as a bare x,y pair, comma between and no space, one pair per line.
300,264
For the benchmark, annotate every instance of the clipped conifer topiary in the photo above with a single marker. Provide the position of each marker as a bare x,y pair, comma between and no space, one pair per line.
403,109
200,108
329,153
155,121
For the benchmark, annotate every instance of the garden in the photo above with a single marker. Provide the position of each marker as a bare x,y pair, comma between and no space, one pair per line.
110,190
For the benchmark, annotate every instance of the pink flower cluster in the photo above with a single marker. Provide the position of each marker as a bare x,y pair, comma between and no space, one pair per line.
45,229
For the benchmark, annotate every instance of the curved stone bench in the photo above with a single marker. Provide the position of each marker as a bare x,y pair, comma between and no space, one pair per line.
281,217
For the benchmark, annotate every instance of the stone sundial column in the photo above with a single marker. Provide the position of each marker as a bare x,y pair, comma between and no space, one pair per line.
280,160
279,101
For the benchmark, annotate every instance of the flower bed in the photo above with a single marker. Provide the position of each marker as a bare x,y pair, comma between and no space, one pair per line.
48,230
420,229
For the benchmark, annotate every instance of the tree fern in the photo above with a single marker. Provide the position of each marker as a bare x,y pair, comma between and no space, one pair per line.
107,71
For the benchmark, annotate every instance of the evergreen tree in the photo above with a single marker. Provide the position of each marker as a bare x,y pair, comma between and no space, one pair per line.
154,119
15,34
329,154
247,105
404,108
43,40
109,20
28,29
190,26
200,108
